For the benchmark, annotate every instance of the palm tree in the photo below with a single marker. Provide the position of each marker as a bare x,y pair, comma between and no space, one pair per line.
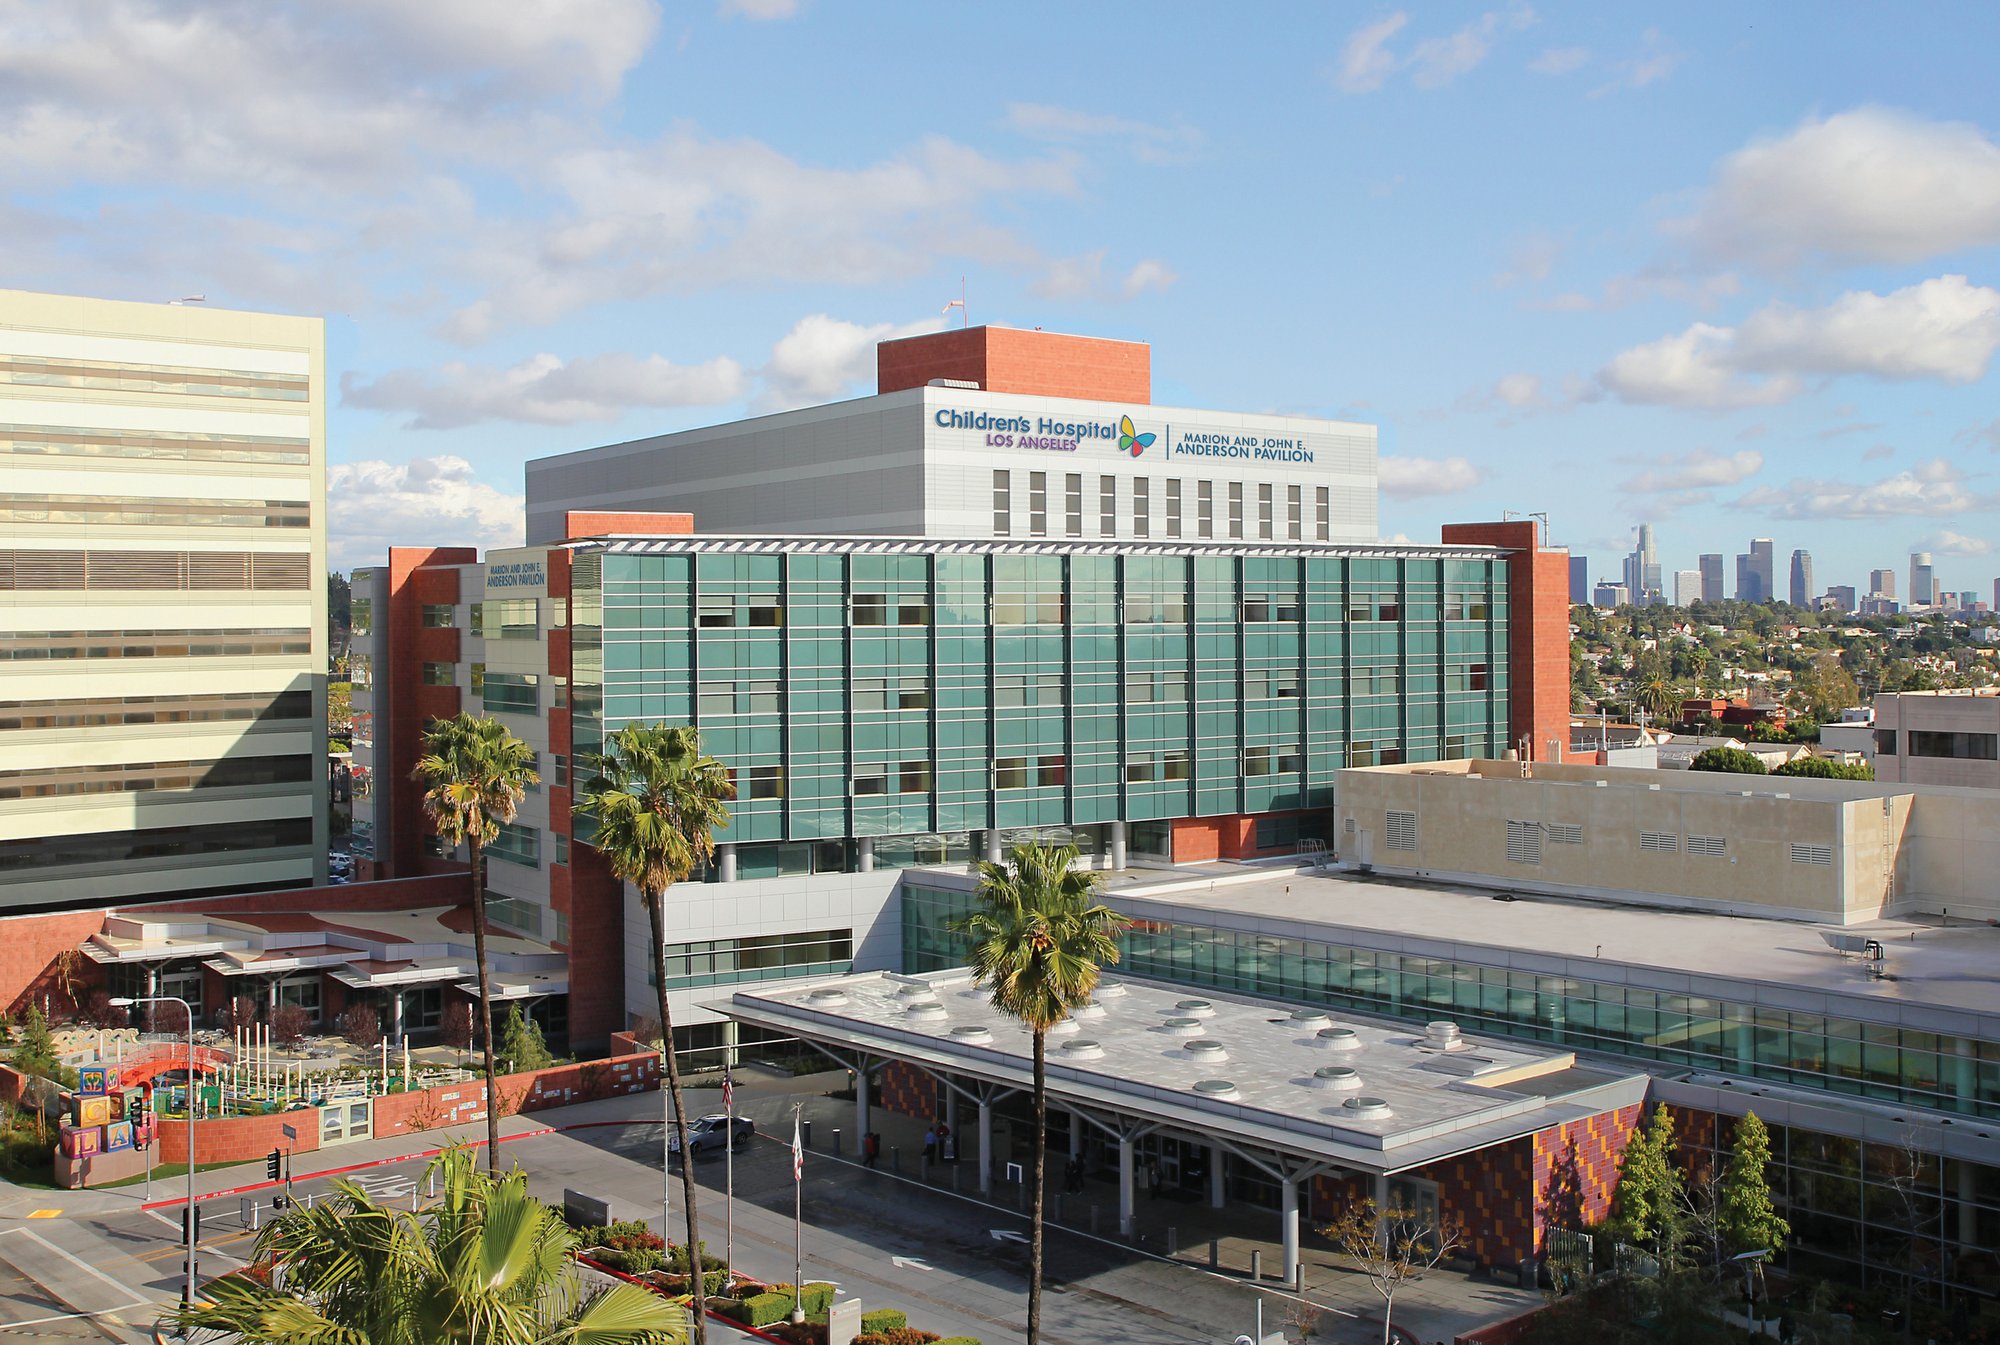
474,773
657,801
1038,941
487,1265
1659,697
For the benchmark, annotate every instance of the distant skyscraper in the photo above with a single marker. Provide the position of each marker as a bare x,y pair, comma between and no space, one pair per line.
1802,579
1843,598
1923,580
1642,569
1762,561
1711,578
1882,584
1611,595
1579,579
1687,587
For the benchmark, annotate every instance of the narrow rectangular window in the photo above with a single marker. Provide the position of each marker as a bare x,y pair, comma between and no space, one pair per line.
1204,509
1173,508
1038,504
1323,500
1295,522
1236,510
1073,505
1264,510
1003,504
1107,506
1142,507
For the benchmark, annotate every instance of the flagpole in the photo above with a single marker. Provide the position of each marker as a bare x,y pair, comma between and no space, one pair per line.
798,1200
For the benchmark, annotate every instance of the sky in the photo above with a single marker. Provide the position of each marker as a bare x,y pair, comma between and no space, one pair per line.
1724,268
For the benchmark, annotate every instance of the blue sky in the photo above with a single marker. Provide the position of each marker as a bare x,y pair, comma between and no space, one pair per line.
1726,268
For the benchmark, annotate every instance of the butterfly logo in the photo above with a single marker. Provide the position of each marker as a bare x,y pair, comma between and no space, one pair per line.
1130,438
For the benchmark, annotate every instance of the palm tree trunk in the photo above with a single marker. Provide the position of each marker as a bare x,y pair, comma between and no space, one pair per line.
485,1002
656,913
1037,1162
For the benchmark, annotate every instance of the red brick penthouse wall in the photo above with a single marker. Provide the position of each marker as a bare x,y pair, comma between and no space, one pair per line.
1537,636
1006,359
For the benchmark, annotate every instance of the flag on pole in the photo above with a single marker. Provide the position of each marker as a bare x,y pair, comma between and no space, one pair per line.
798,1152
728,1093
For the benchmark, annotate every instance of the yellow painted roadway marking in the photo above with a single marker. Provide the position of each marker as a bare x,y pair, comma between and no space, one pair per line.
44,1214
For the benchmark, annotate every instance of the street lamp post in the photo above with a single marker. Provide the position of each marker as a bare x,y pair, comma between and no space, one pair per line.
1750,1261
187,1294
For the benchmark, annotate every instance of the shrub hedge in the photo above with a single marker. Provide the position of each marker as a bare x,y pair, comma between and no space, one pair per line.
883,1319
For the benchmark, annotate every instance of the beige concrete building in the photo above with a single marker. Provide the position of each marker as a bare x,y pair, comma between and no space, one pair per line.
162,601
1939,738
1828,851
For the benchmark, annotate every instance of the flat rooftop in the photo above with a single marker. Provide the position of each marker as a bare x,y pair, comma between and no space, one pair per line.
1927,963
1359,1092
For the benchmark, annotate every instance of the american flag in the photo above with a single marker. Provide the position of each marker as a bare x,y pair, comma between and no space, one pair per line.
728,1092
798,1152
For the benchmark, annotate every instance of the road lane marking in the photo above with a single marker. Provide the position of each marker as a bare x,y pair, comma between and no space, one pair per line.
44,1214
74,1260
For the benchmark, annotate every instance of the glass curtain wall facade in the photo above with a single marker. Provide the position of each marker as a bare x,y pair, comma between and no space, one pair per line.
919,690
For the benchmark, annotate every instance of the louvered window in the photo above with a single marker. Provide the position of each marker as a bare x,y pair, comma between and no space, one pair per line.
1659,840
1402,831
1811,854
1524,842
1564,833
1715,847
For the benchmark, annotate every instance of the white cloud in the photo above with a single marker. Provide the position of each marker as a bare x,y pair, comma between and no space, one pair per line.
1702,469
543,390
823,358
1531,259
1519,390
1082,277
1945,329
1148,141
1657,58
1934,489
1366,60
1149,276
1871,185
1673,283
1691,369
1410,477
1878,453
1560,60
1945,542
758,11
375,505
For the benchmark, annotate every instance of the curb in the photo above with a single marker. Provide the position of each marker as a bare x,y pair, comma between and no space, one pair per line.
371,1163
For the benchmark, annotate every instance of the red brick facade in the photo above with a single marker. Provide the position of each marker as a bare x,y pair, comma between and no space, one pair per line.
1576,1169
608,523
1196,839
1537,637
1005,359
905,1089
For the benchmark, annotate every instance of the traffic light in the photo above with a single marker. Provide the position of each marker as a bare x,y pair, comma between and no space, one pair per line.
274,1166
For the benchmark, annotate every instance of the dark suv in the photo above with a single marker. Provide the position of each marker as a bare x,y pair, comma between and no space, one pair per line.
708,1134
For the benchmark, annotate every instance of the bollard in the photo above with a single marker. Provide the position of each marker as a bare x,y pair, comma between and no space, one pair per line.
806,1127
1173,1241
954,1176
1257,1266
432,1192
896,1159
1021,1196
1215,1253
836,1140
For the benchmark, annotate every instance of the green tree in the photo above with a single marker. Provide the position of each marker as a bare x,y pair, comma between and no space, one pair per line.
35,1052
487,1265
1825,768
1825,687
1659,697
1039,939
1731,760
521,1045
474,774
1745,1216
1650,1193
655,805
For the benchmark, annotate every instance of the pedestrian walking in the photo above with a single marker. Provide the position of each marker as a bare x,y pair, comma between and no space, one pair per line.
1153,1179
930,1143
871,1149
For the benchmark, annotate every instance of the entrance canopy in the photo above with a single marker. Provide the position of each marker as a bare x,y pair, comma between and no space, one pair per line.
1300,1084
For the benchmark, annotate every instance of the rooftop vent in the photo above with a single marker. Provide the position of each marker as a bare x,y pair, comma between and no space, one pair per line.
915,990
1065,1028
924,1011
1365,1108
1195,1008
1221,1089
1206,1051
1083,1049
966,384
1304,1018
972,1036
1110,989
1337,1039
1339,1078
1182,1027
1441,1036
1087,1011
827,999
